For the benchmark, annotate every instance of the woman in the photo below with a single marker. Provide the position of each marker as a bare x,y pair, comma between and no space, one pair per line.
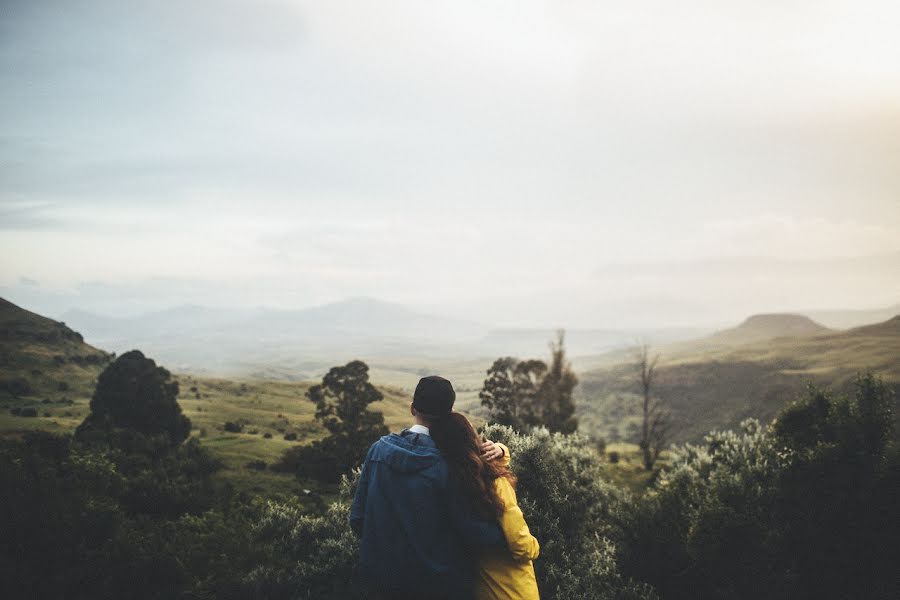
506,574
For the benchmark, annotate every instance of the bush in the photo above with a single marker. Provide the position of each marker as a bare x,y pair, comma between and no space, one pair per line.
257,465
17,386
572,512
233,427
291,437
614,457
804,508
568,506
267,435
28,411
62,386
319,554
134,393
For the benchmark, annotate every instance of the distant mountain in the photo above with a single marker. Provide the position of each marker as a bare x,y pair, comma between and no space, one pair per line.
846,319
717,381
762,327
47,356
227,340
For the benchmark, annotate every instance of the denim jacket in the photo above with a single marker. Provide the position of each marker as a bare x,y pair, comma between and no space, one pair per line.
415,530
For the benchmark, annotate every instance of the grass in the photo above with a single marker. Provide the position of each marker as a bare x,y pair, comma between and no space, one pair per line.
261,406
629,471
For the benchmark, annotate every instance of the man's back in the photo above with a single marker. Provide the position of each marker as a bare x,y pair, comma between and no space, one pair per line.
415,534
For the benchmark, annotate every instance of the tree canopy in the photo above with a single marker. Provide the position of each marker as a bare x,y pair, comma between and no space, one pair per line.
529,393
134,393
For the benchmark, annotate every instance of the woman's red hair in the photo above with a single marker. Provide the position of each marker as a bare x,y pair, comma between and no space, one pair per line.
461,447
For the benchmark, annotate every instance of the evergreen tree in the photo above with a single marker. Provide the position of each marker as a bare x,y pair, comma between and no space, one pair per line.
555,403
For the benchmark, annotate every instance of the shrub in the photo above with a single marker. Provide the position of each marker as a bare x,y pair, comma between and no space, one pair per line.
28,411
256,465
804,508
232,427
17,386
291,437
613,457
62,386
267,435
572,512
134,393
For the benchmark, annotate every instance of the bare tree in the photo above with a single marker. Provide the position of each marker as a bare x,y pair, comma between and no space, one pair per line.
656,422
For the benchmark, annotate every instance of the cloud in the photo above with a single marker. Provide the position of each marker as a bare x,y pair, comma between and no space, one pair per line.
459,154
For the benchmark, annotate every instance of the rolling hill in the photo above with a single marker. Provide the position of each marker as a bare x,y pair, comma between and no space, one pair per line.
749,371
45,358
48,374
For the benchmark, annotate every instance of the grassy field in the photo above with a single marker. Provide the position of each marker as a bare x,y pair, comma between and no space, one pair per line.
706,388
716,388
261,407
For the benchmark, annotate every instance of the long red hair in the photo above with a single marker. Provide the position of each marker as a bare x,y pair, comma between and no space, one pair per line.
461,447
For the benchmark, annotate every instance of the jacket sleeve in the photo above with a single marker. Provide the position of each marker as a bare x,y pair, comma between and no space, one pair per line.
522,545
475,532
358,507
504,460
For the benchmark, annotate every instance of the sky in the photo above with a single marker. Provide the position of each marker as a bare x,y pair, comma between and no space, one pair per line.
520,163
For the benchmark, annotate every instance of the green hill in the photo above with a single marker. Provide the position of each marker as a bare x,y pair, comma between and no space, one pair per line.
45,367
48,375
719,381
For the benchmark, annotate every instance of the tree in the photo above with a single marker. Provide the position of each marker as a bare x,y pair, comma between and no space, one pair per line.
342,399
510,391
655,418
556,406
341,406
134,393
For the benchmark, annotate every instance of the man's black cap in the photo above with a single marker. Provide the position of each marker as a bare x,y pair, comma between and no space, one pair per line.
434,396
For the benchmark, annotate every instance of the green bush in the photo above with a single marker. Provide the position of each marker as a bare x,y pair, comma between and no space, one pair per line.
572,512
804,508
567,504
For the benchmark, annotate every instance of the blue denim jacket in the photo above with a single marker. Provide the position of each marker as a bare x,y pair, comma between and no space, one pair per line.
415,531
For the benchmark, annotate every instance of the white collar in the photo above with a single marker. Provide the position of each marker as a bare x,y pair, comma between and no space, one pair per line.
419,429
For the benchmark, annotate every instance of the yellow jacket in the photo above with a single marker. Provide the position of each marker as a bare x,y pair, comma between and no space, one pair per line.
508,574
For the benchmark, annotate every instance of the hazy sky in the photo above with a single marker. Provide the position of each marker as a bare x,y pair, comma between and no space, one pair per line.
518,162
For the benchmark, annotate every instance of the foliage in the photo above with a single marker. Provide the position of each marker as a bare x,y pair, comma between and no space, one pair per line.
510,391
341,406
528,393
319,553
567,504
343,397
134,393
801,509
557,409
16,387
75,524
570,509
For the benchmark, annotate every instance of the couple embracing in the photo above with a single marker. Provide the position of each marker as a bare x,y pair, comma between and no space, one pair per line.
436,511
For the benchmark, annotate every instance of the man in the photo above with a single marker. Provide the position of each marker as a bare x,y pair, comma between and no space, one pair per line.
417,539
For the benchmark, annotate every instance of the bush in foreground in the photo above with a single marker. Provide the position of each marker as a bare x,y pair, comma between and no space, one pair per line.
568,506
805,508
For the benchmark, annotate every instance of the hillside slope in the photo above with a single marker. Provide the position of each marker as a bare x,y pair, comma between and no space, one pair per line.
709,385
43,357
